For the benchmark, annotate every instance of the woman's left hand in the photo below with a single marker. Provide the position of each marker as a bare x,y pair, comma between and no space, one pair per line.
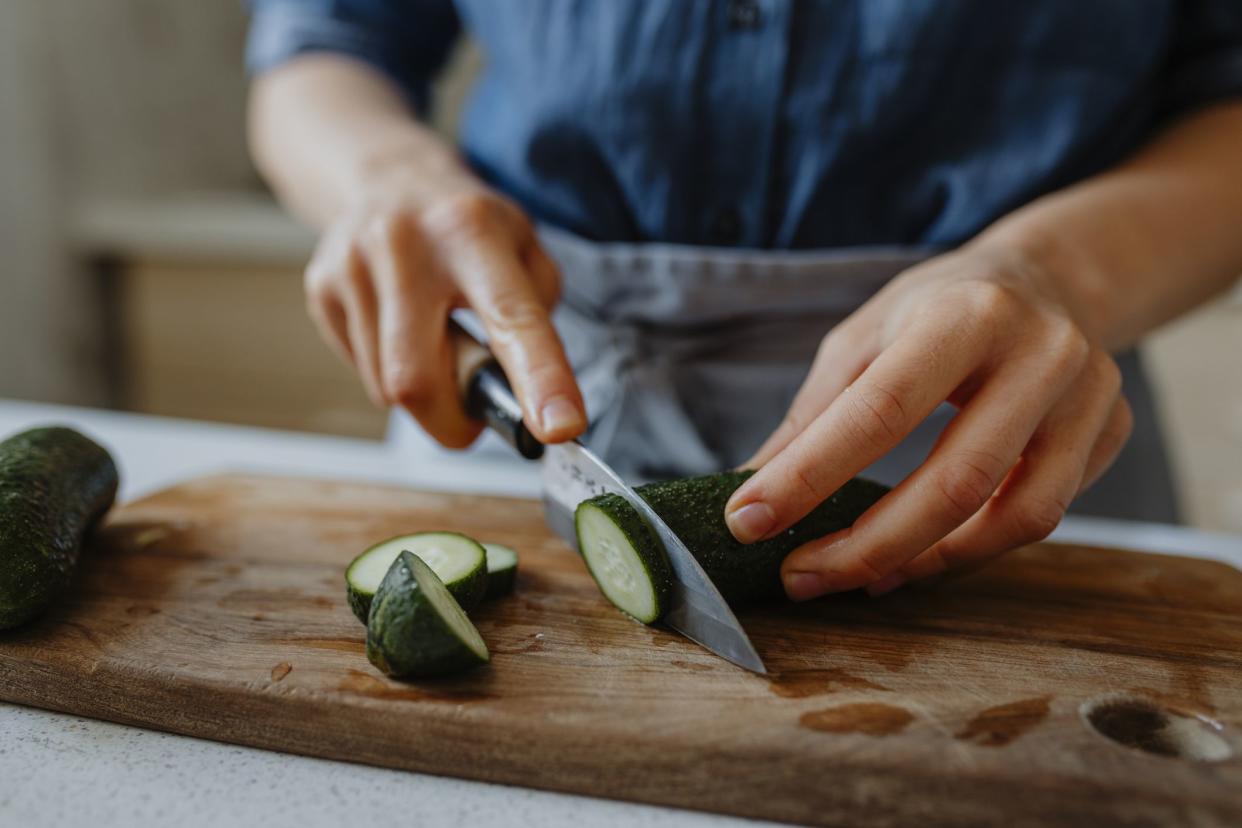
1040,417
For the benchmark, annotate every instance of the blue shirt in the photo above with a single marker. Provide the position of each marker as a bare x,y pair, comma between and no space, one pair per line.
782,124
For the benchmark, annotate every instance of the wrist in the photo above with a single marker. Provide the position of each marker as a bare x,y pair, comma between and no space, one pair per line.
1057,269
414,168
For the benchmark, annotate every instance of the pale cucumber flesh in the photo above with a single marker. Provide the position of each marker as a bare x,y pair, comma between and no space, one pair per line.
616,566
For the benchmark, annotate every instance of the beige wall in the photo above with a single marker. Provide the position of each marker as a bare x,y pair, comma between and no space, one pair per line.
100,98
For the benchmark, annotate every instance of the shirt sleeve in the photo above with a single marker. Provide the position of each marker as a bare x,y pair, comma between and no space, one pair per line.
1205,58
407,40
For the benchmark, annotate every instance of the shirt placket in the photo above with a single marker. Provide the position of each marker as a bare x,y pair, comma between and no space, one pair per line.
742,87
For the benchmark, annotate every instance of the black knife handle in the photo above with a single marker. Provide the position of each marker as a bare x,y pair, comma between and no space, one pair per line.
487,395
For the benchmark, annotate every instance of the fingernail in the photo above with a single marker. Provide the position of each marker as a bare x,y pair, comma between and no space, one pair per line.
559,413
751,522
885,585
802,586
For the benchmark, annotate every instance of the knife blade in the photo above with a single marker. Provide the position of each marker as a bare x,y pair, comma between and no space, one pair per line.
571,474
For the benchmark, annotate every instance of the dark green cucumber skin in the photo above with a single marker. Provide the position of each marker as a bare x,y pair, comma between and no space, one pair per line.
359,602
406,636
55,485
500,584
644,540
468,592
744,573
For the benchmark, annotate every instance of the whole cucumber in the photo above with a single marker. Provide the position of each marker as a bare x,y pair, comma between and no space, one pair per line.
55,485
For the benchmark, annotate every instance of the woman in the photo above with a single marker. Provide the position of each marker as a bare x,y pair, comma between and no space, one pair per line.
871,219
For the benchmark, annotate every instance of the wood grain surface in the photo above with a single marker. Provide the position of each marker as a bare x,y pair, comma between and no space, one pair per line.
217,609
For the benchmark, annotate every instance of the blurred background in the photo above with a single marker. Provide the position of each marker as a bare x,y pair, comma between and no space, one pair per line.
147,269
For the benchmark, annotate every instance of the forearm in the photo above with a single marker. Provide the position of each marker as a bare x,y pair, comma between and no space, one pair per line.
1136,246
323,125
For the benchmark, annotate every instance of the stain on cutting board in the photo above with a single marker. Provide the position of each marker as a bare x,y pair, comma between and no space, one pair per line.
801,684
865,717
1000,725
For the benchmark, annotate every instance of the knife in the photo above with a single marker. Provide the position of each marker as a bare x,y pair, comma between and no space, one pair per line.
571,474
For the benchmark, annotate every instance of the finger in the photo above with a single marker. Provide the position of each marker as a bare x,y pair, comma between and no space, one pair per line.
328,314
1110,443
521,336
544,273
1035,496
978,450
893,395
840,360
358,300
416,357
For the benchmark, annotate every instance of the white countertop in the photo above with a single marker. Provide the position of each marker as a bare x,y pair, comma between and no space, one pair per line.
59,770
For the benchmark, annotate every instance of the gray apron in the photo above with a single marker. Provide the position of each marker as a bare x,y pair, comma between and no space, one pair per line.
689,357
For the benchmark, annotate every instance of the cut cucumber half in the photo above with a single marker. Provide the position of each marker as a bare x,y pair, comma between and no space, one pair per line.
501,570
625,556
417,628
459,561
619,545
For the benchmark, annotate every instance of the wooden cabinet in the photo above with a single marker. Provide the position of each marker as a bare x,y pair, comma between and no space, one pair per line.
209,318
232,343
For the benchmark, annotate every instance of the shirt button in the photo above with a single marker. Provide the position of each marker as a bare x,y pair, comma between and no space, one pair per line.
726,227
744,14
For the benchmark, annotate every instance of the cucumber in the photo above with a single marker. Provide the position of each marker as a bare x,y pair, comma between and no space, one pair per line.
501,570
624,556
417,628
611,530
55,485
459,561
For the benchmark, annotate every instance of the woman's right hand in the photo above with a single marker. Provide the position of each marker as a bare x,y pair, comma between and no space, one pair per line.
386,275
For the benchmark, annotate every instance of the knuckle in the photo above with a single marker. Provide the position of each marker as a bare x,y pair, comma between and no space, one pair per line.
387,231
876,415
1106,373
1036,519
515,310
1117,431
989,300
792,424
938,559
409,384
465,216
828,344
873,565
1067,343
316,281
810,482
352,270
967,482
546,279
1125,421
549,376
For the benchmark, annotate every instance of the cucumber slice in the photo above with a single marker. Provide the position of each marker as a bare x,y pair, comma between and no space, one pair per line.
459,561
619,546
625,556
501,570
416,626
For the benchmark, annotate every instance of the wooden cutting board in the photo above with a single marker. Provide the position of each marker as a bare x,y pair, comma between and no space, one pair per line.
217,609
